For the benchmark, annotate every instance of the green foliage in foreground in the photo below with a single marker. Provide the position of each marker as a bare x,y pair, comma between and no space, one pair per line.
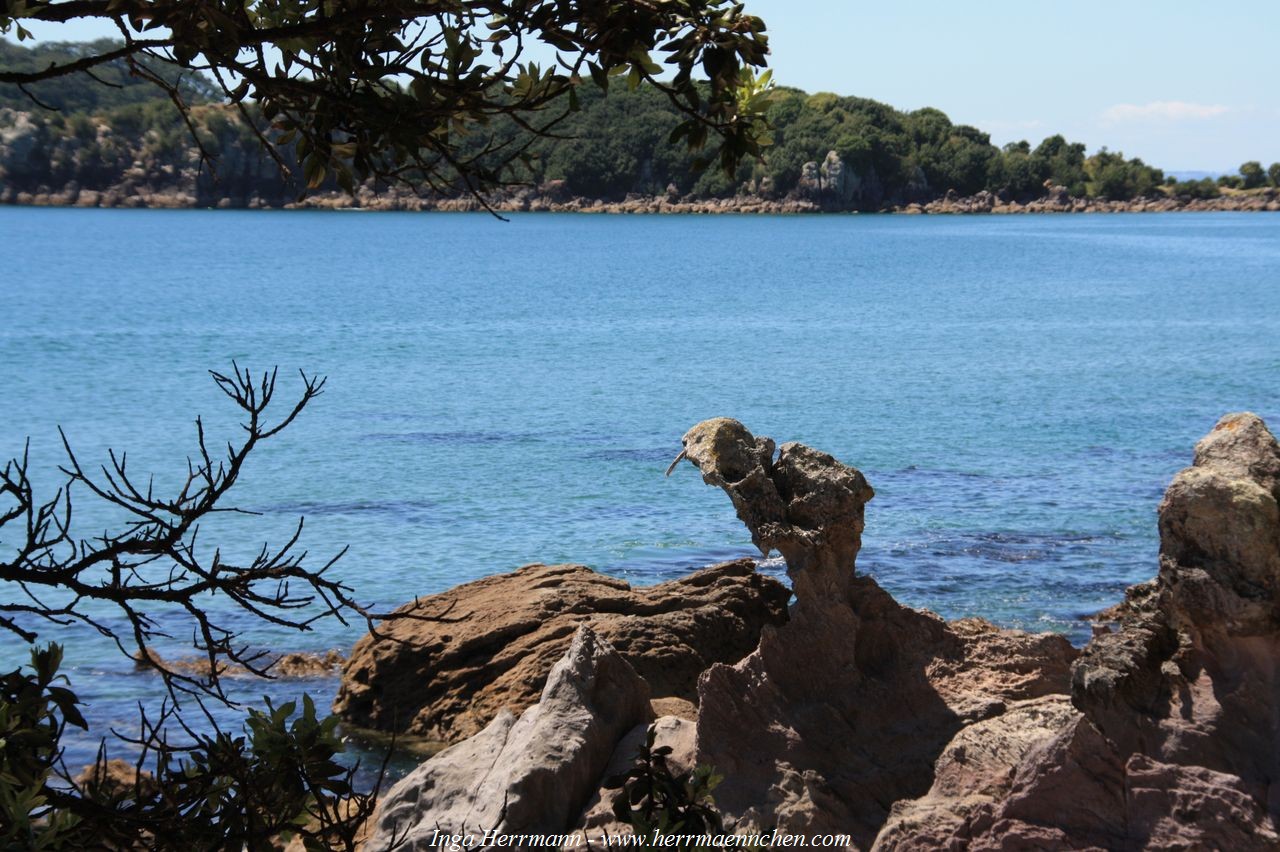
654,801
34,711
223,791
384,91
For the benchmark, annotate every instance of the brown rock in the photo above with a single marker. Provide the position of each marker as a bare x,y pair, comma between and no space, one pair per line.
1067,793
291,665
1190,807
499,637
299,664
976,768
843,710
115,779
677,707
1192,678
1074,793
1179,743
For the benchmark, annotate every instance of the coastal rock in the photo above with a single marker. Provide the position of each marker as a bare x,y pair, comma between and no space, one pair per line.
1067,793
975,769
1056,196
810,180
1178,744
1193,677
295,664
841,182
860,716
843,710
836,185
299,664
1076,792
496,638
526,775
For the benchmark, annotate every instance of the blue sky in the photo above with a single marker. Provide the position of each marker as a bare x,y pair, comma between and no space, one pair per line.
1184,85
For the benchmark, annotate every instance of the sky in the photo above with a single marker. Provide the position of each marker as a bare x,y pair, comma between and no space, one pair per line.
1184,85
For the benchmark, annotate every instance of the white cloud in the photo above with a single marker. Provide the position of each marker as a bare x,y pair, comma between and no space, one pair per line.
1163,111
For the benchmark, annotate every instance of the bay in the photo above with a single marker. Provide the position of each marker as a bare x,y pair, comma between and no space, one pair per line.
1019,390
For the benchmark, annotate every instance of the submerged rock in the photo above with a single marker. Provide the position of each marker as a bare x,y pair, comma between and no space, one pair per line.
294,664
526,775
496,639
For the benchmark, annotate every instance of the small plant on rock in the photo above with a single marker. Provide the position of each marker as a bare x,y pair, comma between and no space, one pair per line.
657,802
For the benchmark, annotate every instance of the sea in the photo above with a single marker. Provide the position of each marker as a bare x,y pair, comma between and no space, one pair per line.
1018,390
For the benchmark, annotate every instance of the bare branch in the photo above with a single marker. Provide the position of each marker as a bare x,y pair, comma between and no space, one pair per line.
152,567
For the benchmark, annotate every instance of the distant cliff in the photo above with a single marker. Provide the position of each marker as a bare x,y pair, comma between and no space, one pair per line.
122,145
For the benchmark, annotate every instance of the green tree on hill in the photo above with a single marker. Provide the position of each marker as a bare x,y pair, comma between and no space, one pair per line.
1204,188
953,157
112,84
1018,172
610,146
1253,175
1063,163
1112,176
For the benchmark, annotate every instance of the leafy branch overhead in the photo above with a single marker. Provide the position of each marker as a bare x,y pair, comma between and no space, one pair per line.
389,89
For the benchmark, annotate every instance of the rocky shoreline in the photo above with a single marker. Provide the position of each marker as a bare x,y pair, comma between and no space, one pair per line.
550,200
849,713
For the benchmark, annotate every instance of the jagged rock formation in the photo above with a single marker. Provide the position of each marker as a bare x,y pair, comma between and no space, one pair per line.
1178,741
499,637
861,716
530,775
843,710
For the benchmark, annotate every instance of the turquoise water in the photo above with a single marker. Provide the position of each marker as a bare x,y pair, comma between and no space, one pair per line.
1018,390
